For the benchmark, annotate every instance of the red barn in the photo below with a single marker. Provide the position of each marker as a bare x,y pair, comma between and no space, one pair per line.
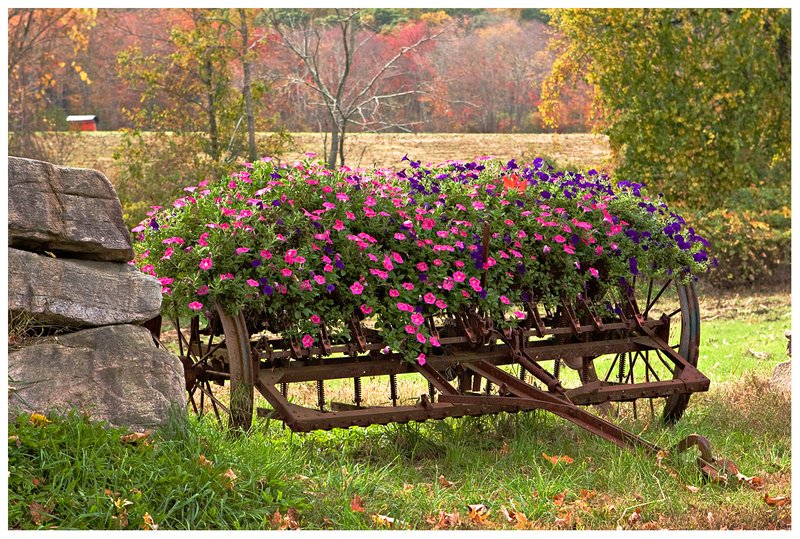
86,122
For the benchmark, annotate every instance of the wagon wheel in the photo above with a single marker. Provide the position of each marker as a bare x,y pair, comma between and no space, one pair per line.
213,352
654,299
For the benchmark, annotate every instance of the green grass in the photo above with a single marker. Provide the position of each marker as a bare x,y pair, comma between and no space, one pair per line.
69,473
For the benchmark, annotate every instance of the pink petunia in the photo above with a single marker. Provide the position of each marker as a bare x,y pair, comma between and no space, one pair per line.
429,298
356,288
434,341
459,276
417,319
366,309
421,359
286,272
393,293
195,305
421,338
226,276
504,300
411,330
203,290
241,250
521,315
252,282
441,304
307,340
475,283
315,319
422,266
206,264
594,272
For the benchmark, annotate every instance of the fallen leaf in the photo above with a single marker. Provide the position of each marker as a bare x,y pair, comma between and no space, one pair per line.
357,504
148,523
511,515
39,513
777,501
635,517
444,483
478,513
693,489
556,459
277,518
710,519
505,449
39,420
558,499
229,478
292,519
564,520
660,456
205,462
407,487
651,525
587,494
134,437
446,520
756,483
552,460
383,520
327,523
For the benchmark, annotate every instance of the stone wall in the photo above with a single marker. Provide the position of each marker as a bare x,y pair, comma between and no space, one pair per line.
82,303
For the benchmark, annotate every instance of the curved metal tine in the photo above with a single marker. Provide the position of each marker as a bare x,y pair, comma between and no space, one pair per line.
191,399
215,402
655,299
648,368
611,368
181,338
670,368
631,365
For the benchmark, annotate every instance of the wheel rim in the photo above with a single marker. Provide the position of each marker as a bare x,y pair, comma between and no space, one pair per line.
214,352
655,299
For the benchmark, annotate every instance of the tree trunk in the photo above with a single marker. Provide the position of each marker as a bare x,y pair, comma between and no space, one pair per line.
213,129
334,149
252,154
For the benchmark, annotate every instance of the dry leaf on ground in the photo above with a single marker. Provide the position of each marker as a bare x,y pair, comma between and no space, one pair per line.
357,504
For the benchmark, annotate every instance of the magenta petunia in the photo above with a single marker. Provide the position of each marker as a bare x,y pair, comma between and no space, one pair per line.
206,264
195,305
307,340
315,319
356,288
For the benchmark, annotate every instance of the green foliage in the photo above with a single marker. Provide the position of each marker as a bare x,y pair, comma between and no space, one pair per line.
751,235
696,102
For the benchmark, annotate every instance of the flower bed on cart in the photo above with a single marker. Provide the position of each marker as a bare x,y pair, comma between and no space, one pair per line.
298,245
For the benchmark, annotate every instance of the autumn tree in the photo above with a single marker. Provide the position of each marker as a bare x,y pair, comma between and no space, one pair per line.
194,104
42,49
695,102
333,48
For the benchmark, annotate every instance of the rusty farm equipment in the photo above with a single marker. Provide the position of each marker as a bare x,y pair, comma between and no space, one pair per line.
463,290
584,362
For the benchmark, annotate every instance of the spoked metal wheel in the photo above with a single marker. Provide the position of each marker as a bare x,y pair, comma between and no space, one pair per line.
215,353
676,306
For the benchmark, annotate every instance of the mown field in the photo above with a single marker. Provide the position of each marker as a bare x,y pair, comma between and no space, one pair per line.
94,150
